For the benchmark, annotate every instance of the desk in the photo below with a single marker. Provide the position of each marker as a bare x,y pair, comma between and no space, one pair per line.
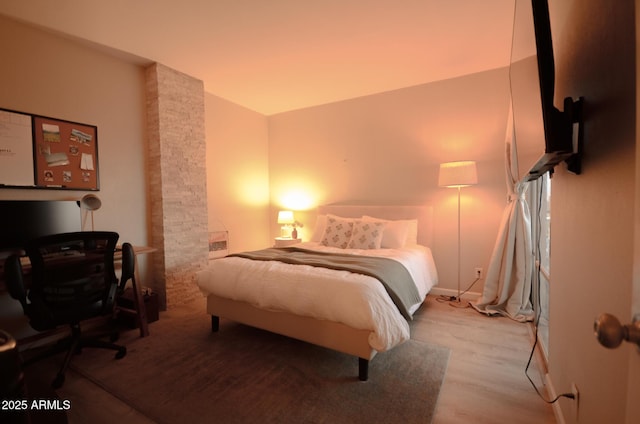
138,250
139,309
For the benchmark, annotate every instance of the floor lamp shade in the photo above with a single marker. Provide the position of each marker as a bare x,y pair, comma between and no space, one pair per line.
458,174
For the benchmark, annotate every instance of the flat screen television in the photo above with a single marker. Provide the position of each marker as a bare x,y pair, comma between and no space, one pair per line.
23,220
545,136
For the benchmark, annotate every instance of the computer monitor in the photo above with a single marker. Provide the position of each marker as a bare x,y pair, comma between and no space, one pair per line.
23,220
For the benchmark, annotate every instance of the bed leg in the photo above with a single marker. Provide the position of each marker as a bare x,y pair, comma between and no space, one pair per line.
215,323
363,369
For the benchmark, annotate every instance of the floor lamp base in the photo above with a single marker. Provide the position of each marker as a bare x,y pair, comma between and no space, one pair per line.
457,303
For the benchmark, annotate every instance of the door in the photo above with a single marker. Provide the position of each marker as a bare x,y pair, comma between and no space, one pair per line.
633,392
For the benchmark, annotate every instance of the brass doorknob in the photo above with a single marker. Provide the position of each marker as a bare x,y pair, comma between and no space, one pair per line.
610,332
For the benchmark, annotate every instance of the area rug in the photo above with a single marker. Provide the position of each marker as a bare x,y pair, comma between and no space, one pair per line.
183,372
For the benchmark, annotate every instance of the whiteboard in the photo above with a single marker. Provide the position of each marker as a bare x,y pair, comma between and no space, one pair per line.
16,149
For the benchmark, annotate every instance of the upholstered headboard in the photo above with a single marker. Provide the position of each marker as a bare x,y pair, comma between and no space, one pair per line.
424,215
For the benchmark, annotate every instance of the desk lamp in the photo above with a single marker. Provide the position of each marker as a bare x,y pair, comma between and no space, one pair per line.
90,203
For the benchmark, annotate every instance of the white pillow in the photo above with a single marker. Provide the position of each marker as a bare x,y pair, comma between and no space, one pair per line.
366,235
412,233
337,232
318,231
398,233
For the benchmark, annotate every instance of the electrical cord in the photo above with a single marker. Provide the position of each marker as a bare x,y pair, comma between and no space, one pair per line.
538,312
471,285
444,298
567,395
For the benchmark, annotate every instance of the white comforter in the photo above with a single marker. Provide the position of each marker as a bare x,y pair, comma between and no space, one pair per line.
356,300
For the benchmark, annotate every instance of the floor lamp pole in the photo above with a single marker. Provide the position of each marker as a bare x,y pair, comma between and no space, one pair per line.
458,242
457,301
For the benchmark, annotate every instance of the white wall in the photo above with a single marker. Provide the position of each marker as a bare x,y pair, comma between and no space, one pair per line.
592,215
237,173
386,149
55,77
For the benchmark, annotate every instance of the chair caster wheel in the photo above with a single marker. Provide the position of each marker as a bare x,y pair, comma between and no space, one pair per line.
121,353
58,381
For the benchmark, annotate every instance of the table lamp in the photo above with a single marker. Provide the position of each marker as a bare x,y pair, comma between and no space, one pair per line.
285,218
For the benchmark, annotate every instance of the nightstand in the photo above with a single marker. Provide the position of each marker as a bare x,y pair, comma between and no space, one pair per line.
285,241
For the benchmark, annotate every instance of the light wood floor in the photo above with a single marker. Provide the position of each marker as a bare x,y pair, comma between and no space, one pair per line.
485,380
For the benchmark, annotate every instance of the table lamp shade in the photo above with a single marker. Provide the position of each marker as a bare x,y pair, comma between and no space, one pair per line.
285,217
457,174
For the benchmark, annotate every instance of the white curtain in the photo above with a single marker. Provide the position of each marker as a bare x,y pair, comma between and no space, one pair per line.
507,287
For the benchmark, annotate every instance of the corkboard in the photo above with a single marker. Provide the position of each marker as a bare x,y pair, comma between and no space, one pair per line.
66,154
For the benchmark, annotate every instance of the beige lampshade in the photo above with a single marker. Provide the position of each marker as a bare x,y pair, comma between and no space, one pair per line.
285,217
458,174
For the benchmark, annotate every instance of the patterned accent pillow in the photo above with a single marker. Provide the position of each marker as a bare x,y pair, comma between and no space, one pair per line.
337,232
366,235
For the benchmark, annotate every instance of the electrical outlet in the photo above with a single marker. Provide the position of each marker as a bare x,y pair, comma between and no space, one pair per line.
478,272
576,400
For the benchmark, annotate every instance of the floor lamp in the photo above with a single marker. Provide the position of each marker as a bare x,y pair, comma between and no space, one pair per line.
458,175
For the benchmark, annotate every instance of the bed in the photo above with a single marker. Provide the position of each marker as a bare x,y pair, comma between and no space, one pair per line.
359,313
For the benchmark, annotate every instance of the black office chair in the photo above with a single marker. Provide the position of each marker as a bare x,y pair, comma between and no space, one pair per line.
72,280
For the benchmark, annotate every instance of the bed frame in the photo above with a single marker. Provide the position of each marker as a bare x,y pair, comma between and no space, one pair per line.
329,334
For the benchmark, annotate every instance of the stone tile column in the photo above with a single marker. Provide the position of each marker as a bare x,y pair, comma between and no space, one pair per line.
177,182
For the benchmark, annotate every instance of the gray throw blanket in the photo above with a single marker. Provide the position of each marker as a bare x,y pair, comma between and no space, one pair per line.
392,274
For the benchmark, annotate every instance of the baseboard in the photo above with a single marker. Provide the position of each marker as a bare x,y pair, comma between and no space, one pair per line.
543,359
557,411
470,296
